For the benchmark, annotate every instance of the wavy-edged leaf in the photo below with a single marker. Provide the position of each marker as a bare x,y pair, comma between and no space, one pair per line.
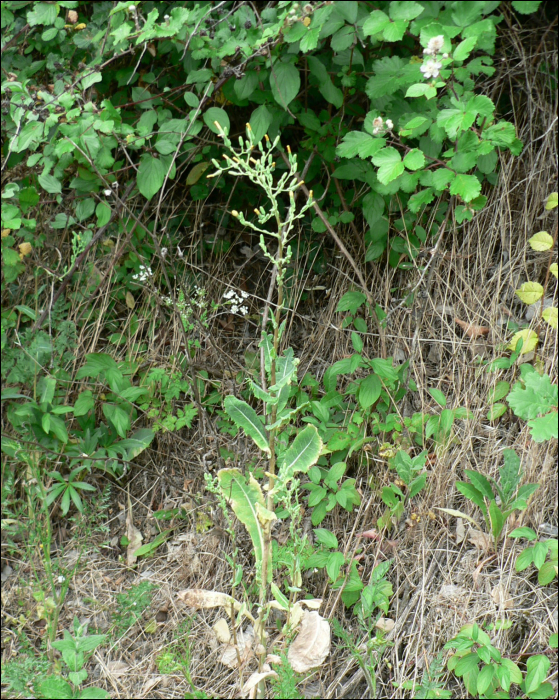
246,418
247,501
302,454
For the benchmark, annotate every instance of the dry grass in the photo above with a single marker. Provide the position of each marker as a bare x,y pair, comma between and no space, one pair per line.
439,583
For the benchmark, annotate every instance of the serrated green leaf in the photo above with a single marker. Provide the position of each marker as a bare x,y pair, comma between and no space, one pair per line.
529,337
389,163
530,292
541,241
414,159
463,50
50,184
550,316
466,186
544,428
537,397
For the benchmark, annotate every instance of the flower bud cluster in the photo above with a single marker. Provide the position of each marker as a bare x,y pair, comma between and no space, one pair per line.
379,125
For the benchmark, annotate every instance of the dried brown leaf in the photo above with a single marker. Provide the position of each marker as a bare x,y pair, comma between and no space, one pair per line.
385,624
134,537
470,330
221,630
199,598
312,645
229,656
253,681
501,597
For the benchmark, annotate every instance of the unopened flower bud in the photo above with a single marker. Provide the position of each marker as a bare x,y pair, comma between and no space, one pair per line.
235,213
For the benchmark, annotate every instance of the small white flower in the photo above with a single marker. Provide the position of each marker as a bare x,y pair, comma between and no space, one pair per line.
244,295
61,579
431,68
244,310
389,124
115,185
164,252
107,193
435,44
377,123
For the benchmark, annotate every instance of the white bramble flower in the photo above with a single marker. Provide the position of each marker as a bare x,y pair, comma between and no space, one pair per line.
435,45
381,126
107,193
431,68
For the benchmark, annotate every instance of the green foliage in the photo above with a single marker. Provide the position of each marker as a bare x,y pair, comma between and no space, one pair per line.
537,555
483,492
285,685
75,652
164,389
177,658
40,421
534,399
473,648
131,605
28,667
369,653
431,686
426,133
323,498
149,94
531,292
412,478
